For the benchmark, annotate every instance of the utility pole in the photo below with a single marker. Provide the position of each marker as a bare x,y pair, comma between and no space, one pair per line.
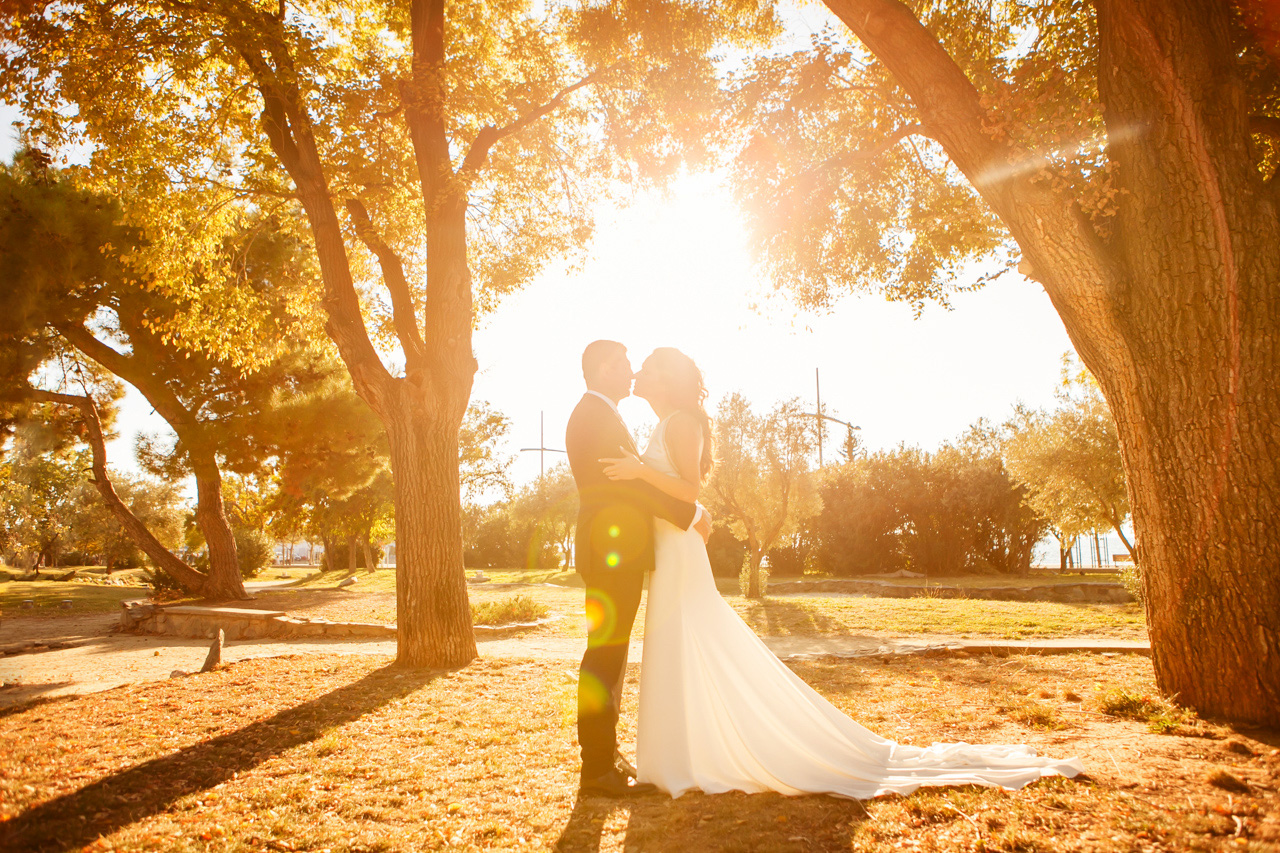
820,417
542,448
817,386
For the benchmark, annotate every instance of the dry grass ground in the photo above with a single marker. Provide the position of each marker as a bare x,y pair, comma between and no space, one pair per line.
830,615
347,754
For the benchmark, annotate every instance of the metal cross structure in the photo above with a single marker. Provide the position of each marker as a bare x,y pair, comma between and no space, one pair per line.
820,417
542,449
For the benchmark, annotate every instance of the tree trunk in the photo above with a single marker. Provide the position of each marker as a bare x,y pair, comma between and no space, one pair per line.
186,577
1196,409
433,611
225,581
164,560
368,555
421,410
753,588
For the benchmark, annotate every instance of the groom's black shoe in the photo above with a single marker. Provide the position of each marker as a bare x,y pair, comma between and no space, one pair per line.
613,784
626,768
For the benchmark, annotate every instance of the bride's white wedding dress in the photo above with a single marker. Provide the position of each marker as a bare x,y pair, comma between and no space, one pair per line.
719,711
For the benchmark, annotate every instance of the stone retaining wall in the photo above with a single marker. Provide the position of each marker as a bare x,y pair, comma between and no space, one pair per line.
1086,592
144,617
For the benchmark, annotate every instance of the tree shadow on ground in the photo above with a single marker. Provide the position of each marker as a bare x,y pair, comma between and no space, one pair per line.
722,822
780,617
76,819
16,698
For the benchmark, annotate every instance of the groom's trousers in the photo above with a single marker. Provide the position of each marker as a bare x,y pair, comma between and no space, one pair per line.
612,600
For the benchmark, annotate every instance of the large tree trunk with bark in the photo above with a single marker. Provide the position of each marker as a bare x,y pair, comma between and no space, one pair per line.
1175,312
1198,241
433,611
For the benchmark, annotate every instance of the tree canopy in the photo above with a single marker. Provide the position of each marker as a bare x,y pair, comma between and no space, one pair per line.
1069,461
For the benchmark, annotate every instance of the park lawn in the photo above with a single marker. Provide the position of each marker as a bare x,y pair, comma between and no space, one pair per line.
47,597
554,604
372,599
988,581
382,579
776,616
349,754
559,577
1010,620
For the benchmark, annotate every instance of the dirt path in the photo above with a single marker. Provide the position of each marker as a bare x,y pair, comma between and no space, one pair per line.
81,654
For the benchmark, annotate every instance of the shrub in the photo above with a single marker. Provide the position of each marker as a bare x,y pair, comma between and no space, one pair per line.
1131,579
507,611
950,512
163,586
725,551
253,551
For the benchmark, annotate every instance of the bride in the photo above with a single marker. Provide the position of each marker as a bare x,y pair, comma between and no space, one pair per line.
718,710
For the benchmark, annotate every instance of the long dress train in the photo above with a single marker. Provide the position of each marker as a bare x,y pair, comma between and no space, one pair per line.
719,711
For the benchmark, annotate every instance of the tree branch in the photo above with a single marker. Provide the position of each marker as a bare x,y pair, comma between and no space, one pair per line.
288,130
1043,221
402,311
489,136
158,394
846,160
423,97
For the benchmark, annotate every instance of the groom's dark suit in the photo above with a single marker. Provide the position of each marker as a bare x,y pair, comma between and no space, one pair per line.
613,549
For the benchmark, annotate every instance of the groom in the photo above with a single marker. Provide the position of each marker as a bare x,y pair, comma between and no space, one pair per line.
613,549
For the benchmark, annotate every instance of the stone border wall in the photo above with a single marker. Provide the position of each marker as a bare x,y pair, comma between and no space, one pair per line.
239,623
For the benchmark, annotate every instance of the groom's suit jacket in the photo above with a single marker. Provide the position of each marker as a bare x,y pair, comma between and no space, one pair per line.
615,518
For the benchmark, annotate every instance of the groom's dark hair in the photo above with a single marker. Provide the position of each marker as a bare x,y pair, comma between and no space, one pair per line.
596,354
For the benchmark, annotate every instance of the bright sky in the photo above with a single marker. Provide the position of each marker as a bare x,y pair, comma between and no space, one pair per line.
677,271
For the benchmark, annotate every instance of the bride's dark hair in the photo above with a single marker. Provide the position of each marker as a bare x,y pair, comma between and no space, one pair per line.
688,392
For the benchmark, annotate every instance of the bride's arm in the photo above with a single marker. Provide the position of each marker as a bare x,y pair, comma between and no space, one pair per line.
683,440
